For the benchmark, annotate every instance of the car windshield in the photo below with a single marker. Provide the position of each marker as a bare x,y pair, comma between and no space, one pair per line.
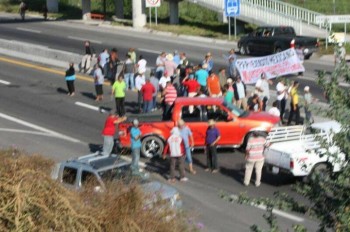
236,111
125,174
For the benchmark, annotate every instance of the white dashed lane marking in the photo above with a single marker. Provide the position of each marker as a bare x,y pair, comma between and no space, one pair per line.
28,30
5,82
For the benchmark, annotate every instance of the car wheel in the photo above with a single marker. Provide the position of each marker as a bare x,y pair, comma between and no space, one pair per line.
152,146
320,172
242,50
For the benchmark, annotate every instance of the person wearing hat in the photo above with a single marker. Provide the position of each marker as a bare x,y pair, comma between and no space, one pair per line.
208,60
294,104
308,99
147,91
339,54
175,148
170,66
186,134
135,138
211,140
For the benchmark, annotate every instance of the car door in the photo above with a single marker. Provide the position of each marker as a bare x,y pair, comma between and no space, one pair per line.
194,121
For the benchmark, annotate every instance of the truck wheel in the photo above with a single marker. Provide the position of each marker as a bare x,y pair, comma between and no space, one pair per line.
320,171
152,146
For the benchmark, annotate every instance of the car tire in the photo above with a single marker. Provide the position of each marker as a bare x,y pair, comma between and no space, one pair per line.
321,170
152,146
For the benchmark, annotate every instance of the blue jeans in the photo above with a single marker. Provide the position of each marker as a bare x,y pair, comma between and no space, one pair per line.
108,143
135,153
154,102
188,155
147,106
129,77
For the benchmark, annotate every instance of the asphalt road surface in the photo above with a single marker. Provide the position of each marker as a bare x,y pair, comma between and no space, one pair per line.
37,115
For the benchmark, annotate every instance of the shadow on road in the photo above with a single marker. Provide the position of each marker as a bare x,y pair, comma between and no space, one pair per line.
88,95
62,90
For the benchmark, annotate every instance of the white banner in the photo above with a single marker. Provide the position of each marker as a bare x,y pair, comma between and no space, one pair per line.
279,64
152,3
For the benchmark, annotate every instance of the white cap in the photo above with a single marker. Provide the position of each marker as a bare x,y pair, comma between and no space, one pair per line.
307,88
229,80
135,122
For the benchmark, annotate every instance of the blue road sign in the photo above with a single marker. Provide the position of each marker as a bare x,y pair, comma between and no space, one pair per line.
232,8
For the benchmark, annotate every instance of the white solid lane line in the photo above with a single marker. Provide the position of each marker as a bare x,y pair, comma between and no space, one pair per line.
84,39
95,108
26,132
39,128
275,211
5,82
28,30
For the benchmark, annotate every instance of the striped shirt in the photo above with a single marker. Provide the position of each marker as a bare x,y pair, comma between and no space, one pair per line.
170,95
255,148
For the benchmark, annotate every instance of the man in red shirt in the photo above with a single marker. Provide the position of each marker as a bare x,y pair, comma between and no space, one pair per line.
109,131
170,95
213,85
192,87
147,91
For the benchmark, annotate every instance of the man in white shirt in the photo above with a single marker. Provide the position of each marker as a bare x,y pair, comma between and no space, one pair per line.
274,110
263,90
163,80
240,93
141,64
282,94
140,80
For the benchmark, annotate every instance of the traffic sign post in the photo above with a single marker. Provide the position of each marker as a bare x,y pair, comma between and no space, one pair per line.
232,9
153,4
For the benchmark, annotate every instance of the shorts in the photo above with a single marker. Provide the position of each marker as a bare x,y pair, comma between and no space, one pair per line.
188,155
99,89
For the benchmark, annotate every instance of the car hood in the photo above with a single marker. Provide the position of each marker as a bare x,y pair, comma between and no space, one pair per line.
262,116
155,188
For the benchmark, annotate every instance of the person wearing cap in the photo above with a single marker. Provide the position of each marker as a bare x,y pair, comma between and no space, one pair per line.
263,90
339,54
192,86
170,66
118,90
109,131
201,76
308,99
294,104
147,91
211,140
140,80
175,148
254,158
208,60
186,134
160,65
135,138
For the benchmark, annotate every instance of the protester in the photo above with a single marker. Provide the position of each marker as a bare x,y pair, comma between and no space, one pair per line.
176,57
301,56
86,61
254,158
211,140
254,103
263,90
155,83
109,131
163,80
135,137
129,72
213,85
175,147
208,61
222,77
170,66
231,59
141,64
114,62
70,78
228,97
340,54
186,134
308,100
274,110
183,71
160,65
294,104
103,60
99,80
147,91
192,87
170,95
282,95
118,90
132,54
22,10
140,80
201,76
240,93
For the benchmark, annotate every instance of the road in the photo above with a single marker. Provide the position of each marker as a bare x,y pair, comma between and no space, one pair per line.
38,116
69,36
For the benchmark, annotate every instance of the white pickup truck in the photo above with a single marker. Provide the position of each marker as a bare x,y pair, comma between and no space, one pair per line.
297,151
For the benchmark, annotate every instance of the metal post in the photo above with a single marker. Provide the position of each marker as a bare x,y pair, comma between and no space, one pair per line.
229,28
150,16
235,28
327,35
344,33
156,15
